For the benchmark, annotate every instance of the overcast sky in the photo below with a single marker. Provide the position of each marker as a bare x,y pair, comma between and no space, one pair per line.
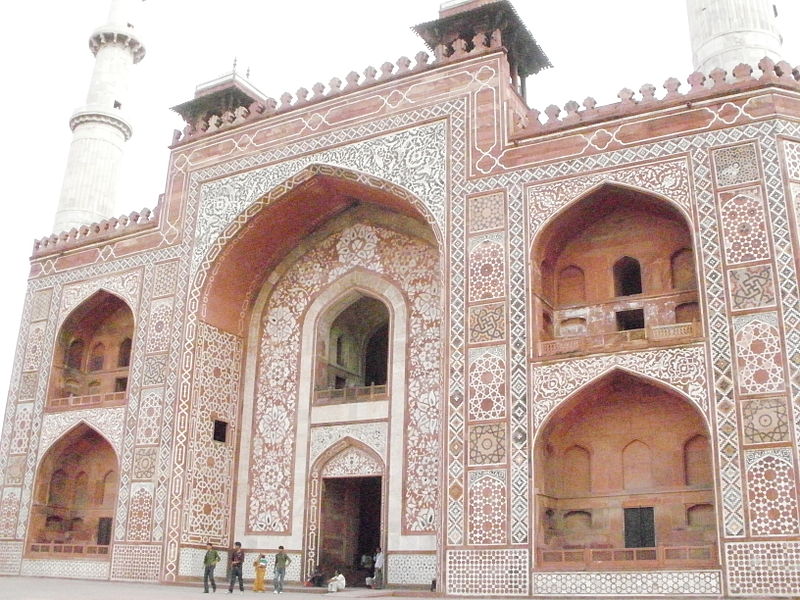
597,48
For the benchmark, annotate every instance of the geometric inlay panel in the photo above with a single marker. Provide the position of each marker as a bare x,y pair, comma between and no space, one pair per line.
765,420
487,323
633,583
487,212
10,557
488,508
487,572
154,370
771,492
15,469
487,384
411,569
68,569
744,225
751,287
487,444
765,569
735,165
145,459
487,271
758,353
136,562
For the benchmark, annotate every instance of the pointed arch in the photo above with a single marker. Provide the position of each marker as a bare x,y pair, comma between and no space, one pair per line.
232,272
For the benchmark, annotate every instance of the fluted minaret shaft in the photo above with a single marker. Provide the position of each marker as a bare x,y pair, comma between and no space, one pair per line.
88,193
728,32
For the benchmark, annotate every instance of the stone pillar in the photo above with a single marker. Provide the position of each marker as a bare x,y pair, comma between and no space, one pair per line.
728,32
99,128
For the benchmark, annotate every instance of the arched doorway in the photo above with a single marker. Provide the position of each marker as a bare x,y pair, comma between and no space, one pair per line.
609,272
624,480
346,510
75,496
92,355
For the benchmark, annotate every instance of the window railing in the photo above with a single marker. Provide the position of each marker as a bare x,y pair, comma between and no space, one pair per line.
68,550
587,343
351,394
633,558
90,401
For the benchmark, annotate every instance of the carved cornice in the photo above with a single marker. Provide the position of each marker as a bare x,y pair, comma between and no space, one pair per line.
106,36
99,116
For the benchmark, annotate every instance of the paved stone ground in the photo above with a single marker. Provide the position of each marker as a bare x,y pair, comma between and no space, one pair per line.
29,588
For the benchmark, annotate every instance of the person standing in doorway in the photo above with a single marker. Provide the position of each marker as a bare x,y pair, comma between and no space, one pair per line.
210,561
237,560
378,582
282,560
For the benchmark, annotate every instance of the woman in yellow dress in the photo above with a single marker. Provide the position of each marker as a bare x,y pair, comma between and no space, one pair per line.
261,570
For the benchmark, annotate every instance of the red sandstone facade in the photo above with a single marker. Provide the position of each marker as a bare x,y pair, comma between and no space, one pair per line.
525,355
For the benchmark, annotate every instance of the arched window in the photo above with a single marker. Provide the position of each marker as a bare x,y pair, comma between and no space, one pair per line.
80,495
700,515
682,266
339,349
697,461
637,471
74,358
98,357
578,467
58,489
627,277
578,520
571,286
124,358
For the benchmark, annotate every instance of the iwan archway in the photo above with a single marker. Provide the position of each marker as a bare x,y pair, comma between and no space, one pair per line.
346,512
625,481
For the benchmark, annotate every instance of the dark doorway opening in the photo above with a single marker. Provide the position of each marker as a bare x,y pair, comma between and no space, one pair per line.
627,277
640,530
350,525
377,357
104,531
630,319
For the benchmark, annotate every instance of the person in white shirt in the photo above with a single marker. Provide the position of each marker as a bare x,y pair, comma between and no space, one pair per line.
336,583
378,582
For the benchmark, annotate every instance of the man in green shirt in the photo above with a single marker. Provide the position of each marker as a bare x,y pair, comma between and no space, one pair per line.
282,560
210,561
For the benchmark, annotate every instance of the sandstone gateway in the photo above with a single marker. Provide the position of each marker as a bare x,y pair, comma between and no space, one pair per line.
527,354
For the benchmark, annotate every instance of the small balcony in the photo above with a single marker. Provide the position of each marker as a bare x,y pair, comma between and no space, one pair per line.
649,336
351,394
90,401
609,559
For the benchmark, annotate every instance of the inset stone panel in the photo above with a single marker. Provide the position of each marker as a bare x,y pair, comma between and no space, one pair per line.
148,426
487,508
487,212
15,469
758,354
634,583
763,569
765,420
771,492
9,511
736,165
751,287
744,225
144,462
487,383
140,513
136,562
487,270
411,569
487,572
487,444
487,323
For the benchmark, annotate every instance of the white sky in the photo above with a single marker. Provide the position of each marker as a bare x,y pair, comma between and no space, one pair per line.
597,48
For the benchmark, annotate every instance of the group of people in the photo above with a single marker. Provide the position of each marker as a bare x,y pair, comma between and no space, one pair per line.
335,584
212,558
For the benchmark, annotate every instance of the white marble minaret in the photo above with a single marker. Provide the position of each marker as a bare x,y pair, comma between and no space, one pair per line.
728,32
99,128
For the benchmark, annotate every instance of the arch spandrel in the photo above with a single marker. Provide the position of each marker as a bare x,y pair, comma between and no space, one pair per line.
125,286
681,369
108,422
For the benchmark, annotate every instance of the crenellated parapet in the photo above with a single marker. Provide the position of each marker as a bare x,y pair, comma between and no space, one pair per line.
718,83
96,232
203,118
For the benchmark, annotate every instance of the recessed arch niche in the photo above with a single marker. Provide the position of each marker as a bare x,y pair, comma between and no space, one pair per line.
75,496
86,369
620,443
613,250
